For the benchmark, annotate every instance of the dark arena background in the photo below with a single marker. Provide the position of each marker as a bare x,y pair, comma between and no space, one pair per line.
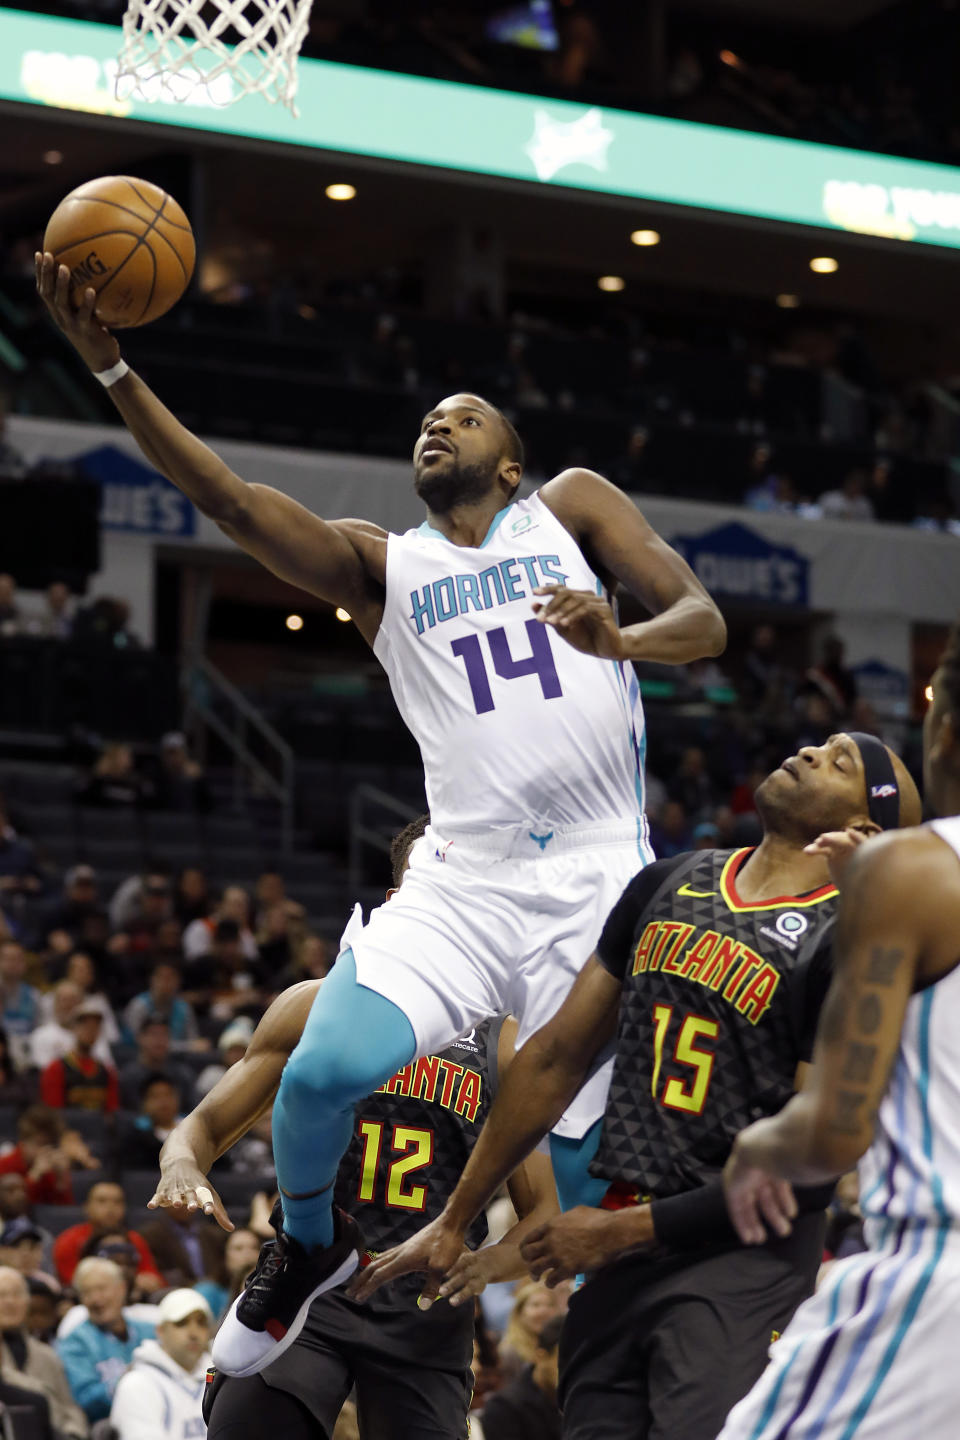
707,248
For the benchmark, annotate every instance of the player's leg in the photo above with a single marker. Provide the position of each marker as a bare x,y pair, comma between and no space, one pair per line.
427,967
353,1041
251,1409
571,1159
400,1400
711,1326
872,1354
603,1390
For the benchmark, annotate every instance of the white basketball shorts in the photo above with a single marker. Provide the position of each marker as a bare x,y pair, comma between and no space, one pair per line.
474,932
871,1356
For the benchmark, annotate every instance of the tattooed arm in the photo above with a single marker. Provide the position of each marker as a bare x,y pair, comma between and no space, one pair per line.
885,945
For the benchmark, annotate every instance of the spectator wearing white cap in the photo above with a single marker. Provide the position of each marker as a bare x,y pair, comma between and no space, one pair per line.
79,1079
55,1039
159,1397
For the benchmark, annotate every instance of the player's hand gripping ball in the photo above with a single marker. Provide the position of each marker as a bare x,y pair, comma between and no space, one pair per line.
128,240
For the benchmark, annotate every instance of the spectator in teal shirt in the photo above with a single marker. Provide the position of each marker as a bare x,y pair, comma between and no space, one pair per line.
163,1002
20,1001
98,1351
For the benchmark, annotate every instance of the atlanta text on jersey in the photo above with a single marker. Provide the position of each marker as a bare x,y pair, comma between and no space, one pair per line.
439,1081
717,961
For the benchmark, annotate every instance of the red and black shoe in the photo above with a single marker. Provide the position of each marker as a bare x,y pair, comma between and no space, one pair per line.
268,1315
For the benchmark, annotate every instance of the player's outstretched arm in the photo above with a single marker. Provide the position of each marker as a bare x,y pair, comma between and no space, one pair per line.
686,623
337,561
882,930
228,1111
539,1085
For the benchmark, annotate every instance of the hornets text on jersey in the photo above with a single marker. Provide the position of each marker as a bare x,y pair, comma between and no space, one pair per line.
720,1003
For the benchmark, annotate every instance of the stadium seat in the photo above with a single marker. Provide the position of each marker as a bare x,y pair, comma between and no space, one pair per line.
138,1186
94,1128
57,1218
8,1120
83,1182
237,1191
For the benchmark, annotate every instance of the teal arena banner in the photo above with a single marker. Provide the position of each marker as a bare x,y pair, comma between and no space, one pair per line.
344,109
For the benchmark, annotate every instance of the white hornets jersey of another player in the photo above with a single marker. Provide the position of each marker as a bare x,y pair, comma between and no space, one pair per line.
516,728
912,1169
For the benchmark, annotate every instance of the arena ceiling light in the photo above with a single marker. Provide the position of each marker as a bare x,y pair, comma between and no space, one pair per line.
788,302
340,192
645,237
294,622
611,283
342,614
824,265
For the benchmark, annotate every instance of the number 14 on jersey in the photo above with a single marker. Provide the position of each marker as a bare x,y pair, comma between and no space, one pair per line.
539,662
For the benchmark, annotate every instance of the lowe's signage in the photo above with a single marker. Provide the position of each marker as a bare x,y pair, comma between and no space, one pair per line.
736,562
136,498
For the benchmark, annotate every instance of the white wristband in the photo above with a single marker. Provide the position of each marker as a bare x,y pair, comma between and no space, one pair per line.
111,376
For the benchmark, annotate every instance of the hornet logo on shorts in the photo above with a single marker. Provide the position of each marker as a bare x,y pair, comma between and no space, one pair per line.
788,928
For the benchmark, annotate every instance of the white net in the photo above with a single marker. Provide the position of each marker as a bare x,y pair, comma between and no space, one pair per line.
211,52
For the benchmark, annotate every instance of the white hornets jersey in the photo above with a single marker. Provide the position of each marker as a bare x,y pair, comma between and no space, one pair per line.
516,728
912,1169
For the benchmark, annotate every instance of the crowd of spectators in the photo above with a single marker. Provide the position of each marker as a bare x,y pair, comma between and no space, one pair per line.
117,1012
620,385
57,614
757,707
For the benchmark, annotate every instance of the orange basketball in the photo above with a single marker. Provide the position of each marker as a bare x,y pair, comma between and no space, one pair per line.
130,240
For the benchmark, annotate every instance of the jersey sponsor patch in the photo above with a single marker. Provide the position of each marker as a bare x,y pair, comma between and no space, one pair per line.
789,929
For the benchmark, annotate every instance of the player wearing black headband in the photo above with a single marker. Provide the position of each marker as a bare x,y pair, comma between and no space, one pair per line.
711,970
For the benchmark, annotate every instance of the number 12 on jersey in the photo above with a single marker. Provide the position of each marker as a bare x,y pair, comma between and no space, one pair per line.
414,1150
539,662
677,1096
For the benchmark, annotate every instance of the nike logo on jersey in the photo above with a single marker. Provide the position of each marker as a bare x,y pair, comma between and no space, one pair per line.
697,894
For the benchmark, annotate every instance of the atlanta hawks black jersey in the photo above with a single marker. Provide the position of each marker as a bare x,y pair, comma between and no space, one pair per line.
720,1003
412,1138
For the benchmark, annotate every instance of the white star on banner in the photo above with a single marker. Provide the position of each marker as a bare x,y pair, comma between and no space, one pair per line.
557,143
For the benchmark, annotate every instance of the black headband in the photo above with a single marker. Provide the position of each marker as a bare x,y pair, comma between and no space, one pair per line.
880,780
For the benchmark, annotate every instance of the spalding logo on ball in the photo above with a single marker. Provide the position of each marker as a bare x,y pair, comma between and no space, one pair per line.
128,239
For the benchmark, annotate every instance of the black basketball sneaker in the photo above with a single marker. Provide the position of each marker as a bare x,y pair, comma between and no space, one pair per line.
268,1315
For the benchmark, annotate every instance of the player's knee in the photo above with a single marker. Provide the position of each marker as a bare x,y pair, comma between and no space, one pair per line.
328,1074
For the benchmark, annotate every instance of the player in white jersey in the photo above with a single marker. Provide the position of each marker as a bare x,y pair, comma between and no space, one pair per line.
533,751
872,1356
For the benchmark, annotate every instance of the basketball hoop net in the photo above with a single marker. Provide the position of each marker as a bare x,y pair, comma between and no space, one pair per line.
211,51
